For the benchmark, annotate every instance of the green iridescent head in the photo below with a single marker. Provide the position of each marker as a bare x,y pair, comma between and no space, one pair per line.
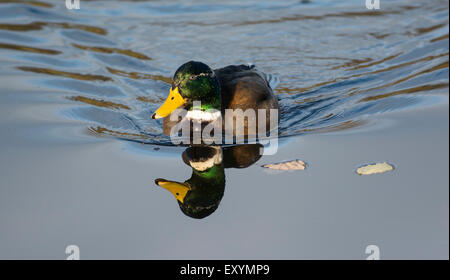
197,82
193,81
199,196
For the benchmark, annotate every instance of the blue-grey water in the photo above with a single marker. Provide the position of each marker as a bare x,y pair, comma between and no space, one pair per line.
79,153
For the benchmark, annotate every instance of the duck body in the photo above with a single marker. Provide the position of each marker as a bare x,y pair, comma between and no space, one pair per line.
239,86
244,87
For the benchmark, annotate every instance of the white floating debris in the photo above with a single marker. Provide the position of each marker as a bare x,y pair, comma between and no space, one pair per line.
374,168
286,165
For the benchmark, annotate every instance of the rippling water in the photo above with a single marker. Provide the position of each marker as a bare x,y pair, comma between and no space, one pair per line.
77,88
110,63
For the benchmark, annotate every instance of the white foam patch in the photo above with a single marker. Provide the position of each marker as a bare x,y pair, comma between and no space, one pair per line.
374,168
286,165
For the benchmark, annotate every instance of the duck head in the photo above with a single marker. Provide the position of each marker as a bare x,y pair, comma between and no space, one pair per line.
199,196
193,81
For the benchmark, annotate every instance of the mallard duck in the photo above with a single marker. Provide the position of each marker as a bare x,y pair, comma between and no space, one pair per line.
200,196
232,87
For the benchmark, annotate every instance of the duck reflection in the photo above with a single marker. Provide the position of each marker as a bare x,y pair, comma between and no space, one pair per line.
200,196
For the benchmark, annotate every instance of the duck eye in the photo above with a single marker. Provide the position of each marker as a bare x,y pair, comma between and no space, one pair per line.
191,77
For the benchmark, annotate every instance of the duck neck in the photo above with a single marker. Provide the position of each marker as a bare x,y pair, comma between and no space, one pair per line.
208,109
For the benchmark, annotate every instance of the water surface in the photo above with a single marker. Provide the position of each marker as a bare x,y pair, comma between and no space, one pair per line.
76,86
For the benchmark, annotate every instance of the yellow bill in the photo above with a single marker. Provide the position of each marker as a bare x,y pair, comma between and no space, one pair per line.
178,190
173,101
